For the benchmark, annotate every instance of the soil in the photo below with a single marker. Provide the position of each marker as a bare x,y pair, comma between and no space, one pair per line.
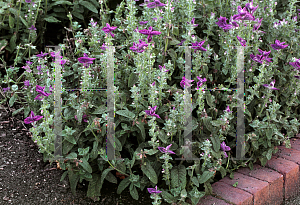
25,179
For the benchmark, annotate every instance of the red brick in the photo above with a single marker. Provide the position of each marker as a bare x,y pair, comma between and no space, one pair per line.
210,200
295,144
274,179
258,188
290,172
232,194
289,154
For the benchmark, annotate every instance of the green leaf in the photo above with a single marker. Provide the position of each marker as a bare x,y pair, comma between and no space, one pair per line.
263,161
91,192
235,184
72,155
149,172
73,180
11,21
26,111
216,142
223,172
269,154
103,176
63,176
172,53
178,177
51,19
126,113
12,42
133,78
17,111
168,197
89,6
133,192
175,32
205,176
195,181
85,165
24,22
69,138
3,44
174,41
123,184
13,99
269,133
100,110
61,3
78,15
111,178
141,127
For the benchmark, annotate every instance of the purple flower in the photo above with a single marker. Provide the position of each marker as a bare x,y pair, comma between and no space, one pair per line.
83,117
250,8
139,48
201,81
150,33
242,41
198,46
296,76
109,29
154,4
93,23
27,68
32,28
271,86
193,22
160,67
257,58
264,53
40,90
32,118
296,64
28,1
185,82
103,47
42,55
152,112
86,60
243,15
225,148
180,44
222,22
153,83
153,191
28,62
166,150
278,45
227,109
143,22
256,26
6,89
26,83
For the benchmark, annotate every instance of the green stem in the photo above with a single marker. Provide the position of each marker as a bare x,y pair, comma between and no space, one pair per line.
117,169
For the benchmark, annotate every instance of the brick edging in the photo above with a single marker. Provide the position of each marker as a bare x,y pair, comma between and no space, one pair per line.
270,185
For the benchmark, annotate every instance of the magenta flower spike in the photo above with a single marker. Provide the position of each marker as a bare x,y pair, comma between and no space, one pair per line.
143,22
271,86
154,4
26,83
149,33
86,60
193,22
41,55
198,46
256,26
242,41
296,64
109,29
185,82
40,90
84,118
250,8
225,148
160,67
139,48
32,28
153,191
166,150
222,24
180,44
201,81
227,109
278,45
152,112
257,58
32,118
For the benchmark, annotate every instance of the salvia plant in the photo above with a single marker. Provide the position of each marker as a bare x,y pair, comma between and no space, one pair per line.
150,92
